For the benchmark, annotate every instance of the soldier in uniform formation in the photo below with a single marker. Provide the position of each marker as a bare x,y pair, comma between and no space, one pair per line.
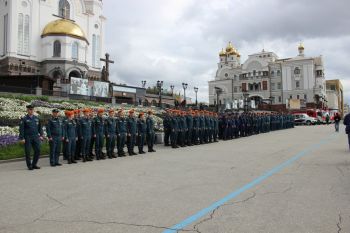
234,125
188,128
76,135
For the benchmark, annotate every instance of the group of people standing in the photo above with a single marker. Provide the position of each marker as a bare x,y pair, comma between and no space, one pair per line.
193,127
78,133
81,132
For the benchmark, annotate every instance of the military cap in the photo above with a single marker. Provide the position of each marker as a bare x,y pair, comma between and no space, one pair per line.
30,106
55,110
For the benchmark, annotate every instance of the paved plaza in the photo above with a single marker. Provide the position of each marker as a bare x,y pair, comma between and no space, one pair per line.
295,180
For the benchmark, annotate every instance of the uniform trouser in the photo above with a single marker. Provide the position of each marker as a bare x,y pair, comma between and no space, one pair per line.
181,138
195,136
166,136
55,150
150,140
189,137
215,136
349,140
85,147
141,141
201,136
91,146
131,142
110,144
64,151
78,149
99,145
336,125
173,138
70,146
121,143
32,142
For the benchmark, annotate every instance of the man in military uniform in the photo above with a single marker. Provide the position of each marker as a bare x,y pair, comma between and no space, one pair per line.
78,144
166,126
174,126
189,121
64,151
92,115
110,133
121,133
54,131
31,134
98,132
141,132
150,131
70,137
195,131
85,132
131,128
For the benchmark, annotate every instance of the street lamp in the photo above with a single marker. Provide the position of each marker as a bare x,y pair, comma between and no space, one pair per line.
184,86
245,96
172,90
143,83
159,86
196,90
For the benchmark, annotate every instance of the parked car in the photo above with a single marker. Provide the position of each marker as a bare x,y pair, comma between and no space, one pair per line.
304,119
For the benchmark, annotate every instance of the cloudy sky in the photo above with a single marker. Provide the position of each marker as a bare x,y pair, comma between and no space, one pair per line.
178,40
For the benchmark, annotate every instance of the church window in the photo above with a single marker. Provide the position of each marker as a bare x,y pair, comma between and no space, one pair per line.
296,70
297,96
305,97
57,49
254,72
64,9
273,86
20,34
297,84
75,50
226,75
23,34
278,73
272,73
279,85
5,34
264,84
95,51
279,99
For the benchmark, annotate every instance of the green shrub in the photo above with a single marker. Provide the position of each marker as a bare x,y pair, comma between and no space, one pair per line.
17,151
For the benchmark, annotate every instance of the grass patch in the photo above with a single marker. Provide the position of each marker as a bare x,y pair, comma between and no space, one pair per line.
17,151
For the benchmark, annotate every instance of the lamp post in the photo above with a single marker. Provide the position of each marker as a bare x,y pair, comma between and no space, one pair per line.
196,90
172,90
143,83
184,86
159,86
245,99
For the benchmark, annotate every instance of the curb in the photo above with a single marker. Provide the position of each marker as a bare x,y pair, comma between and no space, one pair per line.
19,159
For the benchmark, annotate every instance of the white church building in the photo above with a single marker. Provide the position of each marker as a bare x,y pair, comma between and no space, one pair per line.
265,80
45,42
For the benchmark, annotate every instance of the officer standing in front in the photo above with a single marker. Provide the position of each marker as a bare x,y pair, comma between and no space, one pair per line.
141,132
55,131
31,134
85,132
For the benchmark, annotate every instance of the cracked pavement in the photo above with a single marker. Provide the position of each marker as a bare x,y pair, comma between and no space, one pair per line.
153,192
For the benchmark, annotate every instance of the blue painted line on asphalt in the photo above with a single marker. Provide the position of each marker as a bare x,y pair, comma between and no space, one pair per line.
246,187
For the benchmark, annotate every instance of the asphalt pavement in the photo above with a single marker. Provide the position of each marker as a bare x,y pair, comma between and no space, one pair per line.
295,180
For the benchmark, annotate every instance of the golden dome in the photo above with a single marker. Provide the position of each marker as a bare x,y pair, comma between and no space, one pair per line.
230,48
301,46
222,53
64,27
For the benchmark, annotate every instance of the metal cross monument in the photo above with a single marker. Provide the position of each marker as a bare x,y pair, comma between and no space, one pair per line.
105,70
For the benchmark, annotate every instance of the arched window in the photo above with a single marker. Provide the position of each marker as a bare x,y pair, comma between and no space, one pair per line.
57,49
96,51
297,70
64,9
75,51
